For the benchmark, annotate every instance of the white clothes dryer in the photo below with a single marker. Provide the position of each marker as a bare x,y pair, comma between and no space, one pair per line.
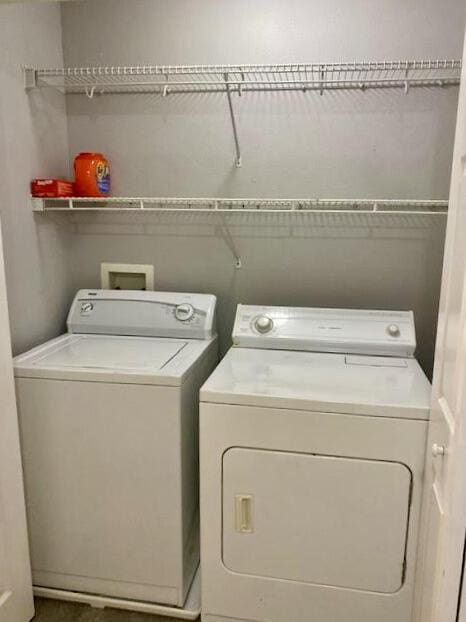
312,442
109,428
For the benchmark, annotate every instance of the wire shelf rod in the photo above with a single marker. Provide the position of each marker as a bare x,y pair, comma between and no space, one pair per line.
297,83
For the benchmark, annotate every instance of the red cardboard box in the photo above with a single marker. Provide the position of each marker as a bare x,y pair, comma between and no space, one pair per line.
51,188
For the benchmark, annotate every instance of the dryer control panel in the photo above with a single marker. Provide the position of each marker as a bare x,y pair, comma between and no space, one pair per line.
349,331
143,314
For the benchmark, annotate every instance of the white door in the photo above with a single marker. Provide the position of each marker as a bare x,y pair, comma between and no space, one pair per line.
443,539
16,603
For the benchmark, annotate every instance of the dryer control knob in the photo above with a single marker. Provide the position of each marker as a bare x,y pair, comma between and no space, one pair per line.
184,312
263,324
393,330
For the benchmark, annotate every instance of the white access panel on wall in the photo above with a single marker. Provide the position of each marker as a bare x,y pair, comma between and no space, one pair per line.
126,276
316,519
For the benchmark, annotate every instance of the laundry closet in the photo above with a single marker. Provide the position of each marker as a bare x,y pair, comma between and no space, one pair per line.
268,154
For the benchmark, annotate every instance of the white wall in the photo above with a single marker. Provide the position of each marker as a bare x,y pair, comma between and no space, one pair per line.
33,143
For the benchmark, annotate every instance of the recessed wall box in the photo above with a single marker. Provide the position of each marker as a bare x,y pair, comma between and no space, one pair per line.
127,276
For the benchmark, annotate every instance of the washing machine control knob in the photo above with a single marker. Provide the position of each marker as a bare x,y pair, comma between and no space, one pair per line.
393,330
184,312
86,307
263,324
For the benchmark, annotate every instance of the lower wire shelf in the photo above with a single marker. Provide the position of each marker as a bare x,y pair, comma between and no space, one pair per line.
228,205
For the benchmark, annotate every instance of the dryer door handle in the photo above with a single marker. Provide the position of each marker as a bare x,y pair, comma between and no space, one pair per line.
244,513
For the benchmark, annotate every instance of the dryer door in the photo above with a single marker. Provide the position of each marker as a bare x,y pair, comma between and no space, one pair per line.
316,519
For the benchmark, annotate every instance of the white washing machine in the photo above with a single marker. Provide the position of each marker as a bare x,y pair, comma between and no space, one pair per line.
109,429
312,440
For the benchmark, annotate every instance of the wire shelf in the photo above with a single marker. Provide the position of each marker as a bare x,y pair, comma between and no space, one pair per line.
281,209
172,79
240,79
226,205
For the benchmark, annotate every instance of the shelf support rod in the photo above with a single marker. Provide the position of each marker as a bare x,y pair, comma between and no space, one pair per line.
233,120
227,238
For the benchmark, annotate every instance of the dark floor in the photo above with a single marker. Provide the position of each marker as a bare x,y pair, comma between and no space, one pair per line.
59,611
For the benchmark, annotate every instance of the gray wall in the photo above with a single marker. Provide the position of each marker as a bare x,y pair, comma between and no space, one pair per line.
373,144
294,144
33,143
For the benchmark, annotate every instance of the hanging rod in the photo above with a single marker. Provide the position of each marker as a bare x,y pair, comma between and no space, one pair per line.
171,79
225,205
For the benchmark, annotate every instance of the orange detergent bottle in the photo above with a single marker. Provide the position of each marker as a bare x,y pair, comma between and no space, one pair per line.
92,173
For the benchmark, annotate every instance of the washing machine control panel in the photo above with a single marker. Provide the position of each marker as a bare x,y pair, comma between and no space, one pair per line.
349,331
143,313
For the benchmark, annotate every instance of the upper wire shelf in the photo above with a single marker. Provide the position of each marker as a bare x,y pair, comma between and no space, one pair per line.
226,205
171,79
238,79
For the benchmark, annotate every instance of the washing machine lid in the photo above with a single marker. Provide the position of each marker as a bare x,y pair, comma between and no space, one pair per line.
108,358
320,382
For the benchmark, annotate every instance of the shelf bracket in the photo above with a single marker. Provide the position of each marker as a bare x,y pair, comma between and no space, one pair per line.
30,78
406,85
233,120
37,205
322,79
90,91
